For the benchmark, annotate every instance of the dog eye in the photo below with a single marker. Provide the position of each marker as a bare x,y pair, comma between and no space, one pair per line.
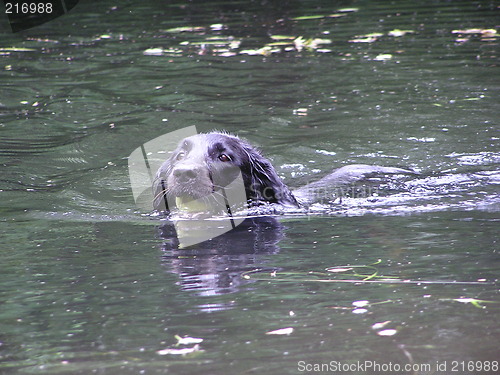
224,158
180,155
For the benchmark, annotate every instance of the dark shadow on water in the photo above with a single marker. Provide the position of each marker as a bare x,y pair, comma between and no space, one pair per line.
215,267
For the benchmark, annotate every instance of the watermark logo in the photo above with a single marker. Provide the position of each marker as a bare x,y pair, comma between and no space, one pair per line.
151,170
25,14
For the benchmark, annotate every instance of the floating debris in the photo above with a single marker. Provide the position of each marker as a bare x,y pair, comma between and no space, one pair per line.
347,10
282,331
298,43
367,38
186,340
153,52
317,17
185,29
265,51
43,40
161,51
312,43
17,49
182,351
485,32
387,332
301,18
226,54
218,27
373,37
424,139
397,33
359,311
300,111
228,46
360,303
337,269
380,325
282,37
363,40
383,57
473,301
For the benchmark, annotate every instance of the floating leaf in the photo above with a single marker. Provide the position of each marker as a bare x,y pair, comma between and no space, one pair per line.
383,57
472,301
316,17
422,139
182,351
153,52
300,111
43,40
367,38
185,29
380,325
465,300
311,43
279,43
359,311
398,33
307,18
17,49
387,332
265,51
282,331
363,40
485,32
218,26
339,269
282,37
187,340
227,54
251,52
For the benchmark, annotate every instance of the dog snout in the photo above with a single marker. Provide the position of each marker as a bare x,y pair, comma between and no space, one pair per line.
186,173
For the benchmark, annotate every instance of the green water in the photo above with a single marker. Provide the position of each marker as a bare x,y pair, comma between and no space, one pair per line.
91,284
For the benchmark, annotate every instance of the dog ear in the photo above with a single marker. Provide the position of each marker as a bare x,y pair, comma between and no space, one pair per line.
263,183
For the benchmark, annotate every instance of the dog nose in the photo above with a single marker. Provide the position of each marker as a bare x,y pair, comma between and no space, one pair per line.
185,173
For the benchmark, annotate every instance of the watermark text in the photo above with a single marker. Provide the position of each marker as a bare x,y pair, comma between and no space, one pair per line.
373,367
